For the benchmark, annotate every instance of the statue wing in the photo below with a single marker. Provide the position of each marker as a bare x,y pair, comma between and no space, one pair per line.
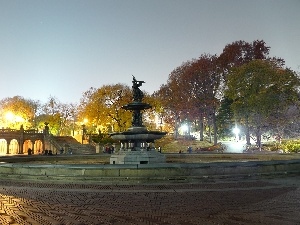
134,78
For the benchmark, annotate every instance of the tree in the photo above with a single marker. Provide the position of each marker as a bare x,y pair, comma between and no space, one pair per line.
51,113
202,81
259,89
192,93
225,118
67,122
155,114
174,97
37,109
240,52
102,108
17,111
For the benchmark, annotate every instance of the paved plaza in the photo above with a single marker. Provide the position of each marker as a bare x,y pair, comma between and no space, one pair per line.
273,200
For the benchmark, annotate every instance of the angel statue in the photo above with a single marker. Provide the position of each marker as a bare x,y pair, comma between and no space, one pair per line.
137,93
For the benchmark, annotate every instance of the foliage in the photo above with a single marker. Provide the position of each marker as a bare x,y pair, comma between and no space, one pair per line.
242,84
240,52
191,92
290,146
152,117
225,118
22,112
203,81
60,116
169,144
102,138
260,90
174,95
102,108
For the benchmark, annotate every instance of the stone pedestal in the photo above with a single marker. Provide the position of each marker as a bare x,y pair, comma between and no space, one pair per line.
137,157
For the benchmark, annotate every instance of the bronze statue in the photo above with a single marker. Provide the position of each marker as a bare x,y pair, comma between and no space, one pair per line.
137,93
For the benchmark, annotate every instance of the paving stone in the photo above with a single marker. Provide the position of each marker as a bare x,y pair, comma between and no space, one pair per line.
225,201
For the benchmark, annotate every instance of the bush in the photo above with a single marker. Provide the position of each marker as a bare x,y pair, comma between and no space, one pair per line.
171,145
290,146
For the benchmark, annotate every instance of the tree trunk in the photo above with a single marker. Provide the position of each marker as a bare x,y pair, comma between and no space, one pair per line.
215,128
209,131
176,128
247,132
258,138
201,128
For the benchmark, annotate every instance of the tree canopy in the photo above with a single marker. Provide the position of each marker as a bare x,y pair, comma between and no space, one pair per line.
102,108
259,90
243,84
17,111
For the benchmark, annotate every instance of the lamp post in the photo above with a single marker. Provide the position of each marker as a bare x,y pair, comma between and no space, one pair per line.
83,133
161,123
84,130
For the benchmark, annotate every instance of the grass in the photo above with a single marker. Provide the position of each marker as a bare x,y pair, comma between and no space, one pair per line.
171,145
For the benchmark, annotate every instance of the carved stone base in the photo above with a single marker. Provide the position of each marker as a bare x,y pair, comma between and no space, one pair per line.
137,157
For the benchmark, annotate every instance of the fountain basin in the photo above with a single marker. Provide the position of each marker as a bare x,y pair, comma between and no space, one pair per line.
137,106
137,157
147,136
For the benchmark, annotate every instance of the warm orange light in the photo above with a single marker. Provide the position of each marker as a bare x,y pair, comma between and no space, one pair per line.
13,118
19,119
9,116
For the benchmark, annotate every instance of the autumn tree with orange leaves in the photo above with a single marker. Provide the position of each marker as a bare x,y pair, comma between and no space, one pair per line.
192,91
195,90
102,108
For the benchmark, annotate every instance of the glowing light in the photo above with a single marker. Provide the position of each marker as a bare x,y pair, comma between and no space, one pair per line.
9,116
19,119
184,127
236,131
12,119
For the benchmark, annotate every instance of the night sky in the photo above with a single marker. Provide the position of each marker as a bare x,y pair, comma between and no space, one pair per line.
61,48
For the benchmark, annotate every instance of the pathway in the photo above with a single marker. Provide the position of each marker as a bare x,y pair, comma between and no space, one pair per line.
220,201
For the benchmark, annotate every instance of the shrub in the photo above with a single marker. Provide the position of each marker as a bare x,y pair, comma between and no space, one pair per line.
290,146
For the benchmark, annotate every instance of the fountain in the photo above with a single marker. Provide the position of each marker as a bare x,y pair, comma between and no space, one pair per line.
137,143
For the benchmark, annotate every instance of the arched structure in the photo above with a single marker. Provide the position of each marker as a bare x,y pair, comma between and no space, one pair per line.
19,141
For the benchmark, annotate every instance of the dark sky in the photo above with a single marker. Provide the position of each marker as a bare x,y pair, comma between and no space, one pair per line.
61,48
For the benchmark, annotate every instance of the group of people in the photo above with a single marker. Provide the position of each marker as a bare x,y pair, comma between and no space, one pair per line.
44,152
109,149
189,150
70,151
47,152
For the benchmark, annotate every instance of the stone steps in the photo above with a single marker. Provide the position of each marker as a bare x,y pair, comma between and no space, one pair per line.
70,143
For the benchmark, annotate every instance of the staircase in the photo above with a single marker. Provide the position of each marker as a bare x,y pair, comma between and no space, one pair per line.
70,143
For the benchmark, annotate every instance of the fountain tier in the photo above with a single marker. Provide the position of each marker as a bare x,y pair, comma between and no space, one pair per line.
137,143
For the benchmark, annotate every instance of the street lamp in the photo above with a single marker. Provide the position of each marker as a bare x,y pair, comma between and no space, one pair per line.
236,131
84,130
161,123
83,133
12,119
185,128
